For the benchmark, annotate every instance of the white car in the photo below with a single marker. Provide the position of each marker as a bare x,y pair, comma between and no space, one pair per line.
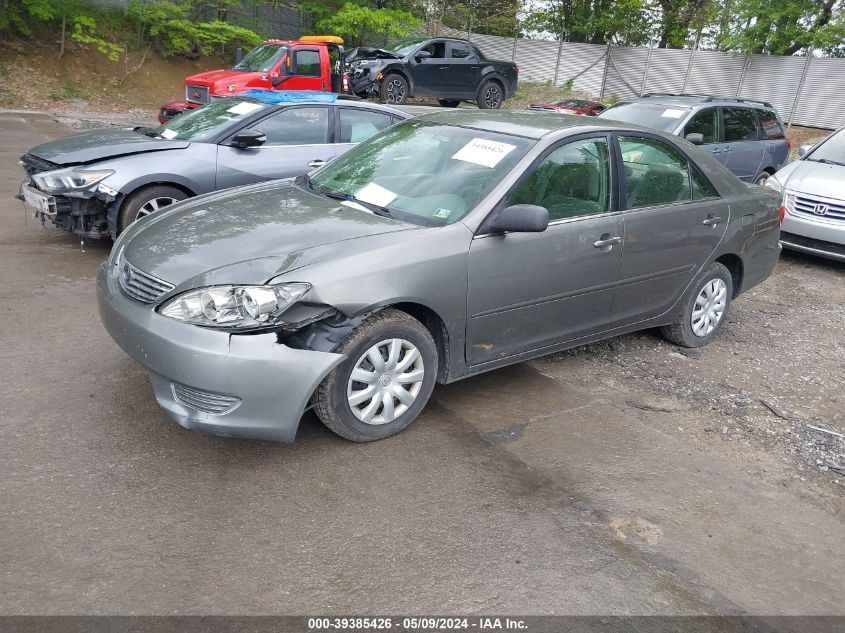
813,189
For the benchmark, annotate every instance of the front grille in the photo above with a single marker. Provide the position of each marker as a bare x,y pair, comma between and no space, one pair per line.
34,165
204,401
142,286
811,205
196,94
791,239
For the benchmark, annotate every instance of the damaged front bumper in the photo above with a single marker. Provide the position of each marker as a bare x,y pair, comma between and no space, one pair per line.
237,385
86,216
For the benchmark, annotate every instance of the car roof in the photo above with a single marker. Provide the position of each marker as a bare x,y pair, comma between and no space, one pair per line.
691,100
534,124
296,97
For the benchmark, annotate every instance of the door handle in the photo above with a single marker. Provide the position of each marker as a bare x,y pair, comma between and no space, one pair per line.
727,149
712,220
316,163
444,68
605,240
716,151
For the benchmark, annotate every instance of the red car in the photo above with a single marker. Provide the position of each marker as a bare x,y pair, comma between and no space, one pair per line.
571,106
313,62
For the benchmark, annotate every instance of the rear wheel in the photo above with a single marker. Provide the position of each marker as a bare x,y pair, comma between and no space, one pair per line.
393,89
705,308
385,381
147,201
490,96
762,178
449,103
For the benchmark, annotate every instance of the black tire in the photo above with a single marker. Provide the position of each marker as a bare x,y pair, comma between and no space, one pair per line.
134,205
490,95
762,178
331,399
449,103
393,89
681,332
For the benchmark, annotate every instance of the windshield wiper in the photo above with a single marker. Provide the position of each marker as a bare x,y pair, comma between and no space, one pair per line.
827,161
348,197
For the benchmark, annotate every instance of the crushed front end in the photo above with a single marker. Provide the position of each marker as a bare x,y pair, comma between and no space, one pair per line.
73,198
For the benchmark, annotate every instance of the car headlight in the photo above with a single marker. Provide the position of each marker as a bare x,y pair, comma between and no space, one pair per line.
69,180
773,183
235,307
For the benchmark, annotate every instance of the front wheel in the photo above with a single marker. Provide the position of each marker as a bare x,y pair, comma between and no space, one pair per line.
490,96
393,89
705,308
145,202
385,381
762,178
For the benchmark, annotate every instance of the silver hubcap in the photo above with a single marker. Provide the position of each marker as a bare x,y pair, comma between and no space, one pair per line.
492,98
395,91
762,179
156,204
709,307
385,381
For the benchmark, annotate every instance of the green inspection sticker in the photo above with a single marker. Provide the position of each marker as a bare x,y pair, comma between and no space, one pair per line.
442,213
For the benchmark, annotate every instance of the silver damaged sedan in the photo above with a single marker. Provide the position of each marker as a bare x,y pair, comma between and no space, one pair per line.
445,246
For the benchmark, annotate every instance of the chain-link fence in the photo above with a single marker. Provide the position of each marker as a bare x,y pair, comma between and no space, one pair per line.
805,90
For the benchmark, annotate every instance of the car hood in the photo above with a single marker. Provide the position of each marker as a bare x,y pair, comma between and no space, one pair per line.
813,178
94,145
248,235
219,81
363,52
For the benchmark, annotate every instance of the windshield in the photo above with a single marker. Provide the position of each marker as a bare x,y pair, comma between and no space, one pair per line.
660,117
833,149
421,172
573,103
404,46
262,59
208,121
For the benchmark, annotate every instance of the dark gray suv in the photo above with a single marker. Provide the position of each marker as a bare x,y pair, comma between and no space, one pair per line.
746,136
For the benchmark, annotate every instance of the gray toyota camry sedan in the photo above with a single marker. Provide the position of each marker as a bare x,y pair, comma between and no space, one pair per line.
448,245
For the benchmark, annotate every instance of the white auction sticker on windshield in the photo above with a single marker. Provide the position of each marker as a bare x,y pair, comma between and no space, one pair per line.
672,113
169,134
375,194
244,107
482,152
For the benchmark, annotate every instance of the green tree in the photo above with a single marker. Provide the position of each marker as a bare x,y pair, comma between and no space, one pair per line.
786,27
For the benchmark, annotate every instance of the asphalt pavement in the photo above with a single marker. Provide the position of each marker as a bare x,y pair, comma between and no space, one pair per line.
513,493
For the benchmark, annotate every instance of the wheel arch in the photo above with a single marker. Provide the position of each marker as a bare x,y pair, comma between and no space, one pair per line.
399,70
137,185
435,326
736,268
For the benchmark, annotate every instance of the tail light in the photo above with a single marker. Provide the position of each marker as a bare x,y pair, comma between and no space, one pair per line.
781,213
345,88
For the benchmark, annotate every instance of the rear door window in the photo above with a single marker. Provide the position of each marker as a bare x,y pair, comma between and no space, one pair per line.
740,124
358,124
655,173
706,123
769,124
459,50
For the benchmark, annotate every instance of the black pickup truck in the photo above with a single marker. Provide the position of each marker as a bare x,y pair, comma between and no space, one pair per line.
452,70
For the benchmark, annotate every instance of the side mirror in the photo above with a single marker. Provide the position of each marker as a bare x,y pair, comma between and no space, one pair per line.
421,55
804,149
248,138
695,138
521,218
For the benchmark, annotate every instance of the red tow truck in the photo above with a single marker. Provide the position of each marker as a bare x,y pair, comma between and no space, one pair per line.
313,62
